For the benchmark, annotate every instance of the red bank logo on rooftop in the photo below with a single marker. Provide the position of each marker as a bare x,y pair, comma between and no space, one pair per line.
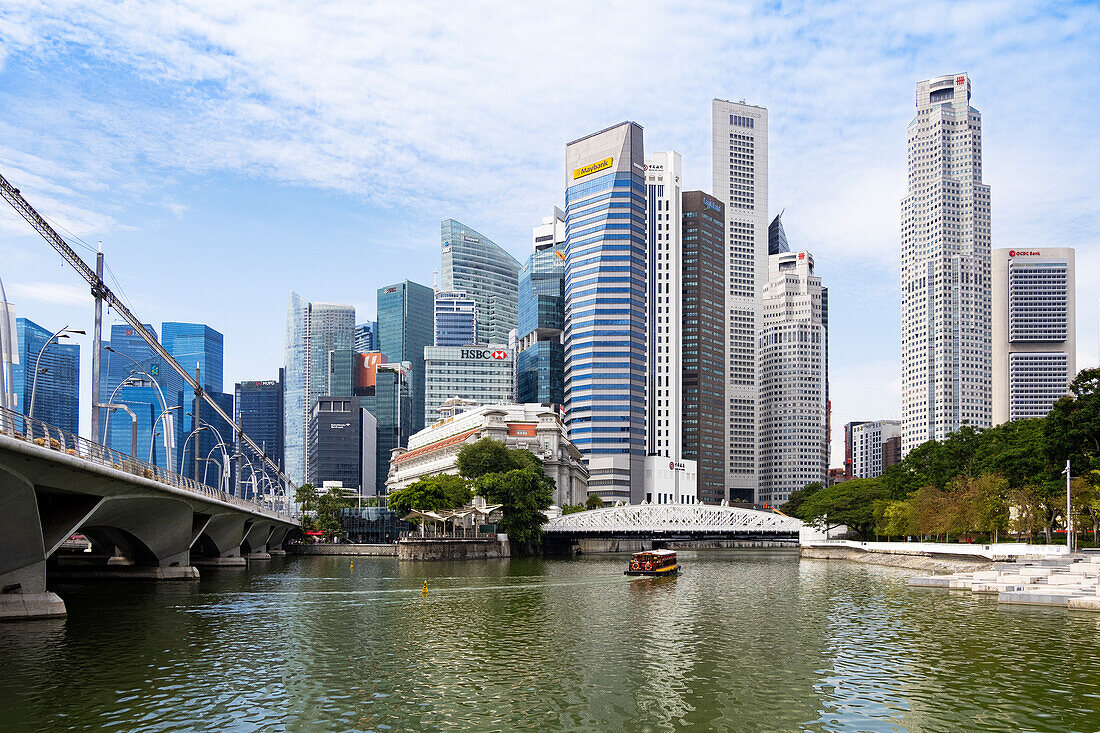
499,355
960,80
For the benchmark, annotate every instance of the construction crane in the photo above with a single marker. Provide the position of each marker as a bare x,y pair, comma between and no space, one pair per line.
101,292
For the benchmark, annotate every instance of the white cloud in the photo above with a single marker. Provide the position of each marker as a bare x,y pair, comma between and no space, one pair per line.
52,293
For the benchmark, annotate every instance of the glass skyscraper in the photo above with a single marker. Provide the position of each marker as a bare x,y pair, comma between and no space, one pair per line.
385,395
57,397
540,354
258,409
195,345
605,308
366,337
455,319
319,357
405,328
482,269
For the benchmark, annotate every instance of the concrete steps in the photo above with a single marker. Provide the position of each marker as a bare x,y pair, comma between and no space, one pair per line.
1072,581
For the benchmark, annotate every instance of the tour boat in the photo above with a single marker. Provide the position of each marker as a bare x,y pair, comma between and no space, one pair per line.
658,563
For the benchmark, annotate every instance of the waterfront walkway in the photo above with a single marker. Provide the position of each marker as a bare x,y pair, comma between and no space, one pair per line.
1071,581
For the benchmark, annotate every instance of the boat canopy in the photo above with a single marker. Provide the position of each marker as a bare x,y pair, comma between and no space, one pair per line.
657,553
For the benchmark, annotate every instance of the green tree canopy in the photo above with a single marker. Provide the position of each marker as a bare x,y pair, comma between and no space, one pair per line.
524,493
432,493
851,503
593,502
489,456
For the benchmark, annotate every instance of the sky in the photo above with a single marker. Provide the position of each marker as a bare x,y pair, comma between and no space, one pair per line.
227,153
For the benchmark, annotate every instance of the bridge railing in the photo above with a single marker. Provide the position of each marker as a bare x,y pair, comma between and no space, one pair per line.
36,432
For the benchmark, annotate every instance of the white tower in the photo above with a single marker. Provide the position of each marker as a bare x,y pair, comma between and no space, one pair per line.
945,268
740,177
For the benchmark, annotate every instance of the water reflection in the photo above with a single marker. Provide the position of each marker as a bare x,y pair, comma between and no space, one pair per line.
749,640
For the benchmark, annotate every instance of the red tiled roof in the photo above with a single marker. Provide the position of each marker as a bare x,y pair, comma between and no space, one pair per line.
430,447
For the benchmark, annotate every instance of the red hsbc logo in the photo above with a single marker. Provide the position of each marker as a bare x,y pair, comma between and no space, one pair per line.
1021,253
499,355
960,80
484,354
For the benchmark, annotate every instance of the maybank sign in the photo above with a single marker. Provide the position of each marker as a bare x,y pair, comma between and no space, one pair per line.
599,165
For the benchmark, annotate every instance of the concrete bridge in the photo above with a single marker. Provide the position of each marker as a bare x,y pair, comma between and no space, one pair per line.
639,526
142,521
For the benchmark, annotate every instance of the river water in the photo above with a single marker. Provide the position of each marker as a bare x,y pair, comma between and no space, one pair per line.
742,641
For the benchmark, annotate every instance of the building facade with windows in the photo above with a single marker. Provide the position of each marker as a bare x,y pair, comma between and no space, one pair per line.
337,449
946,353
56,398
455,319
318,360
479,267
538,429
366,337
740,179
793,443
605,308
383,391
704,342
406,326
1034,330
258,409
479,373
540,353
871,447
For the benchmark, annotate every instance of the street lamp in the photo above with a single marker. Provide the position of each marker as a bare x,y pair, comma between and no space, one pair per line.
128,382
167,424
183,453
61,333
169,428
220,465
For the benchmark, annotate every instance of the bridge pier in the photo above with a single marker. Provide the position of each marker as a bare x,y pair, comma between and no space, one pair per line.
23,593
256,538
219,541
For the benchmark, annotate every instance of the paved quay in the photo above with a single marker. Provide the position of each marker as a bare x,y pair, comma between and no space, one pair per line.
1070,581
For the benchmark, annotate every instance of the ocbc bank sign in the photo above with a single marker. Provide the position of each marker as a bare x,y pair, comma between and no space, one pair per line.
484,354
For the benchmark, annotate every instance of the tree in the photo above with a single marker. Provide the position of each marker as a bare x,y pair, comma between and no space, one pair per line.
328,506
432,493
895,518
1072,429
488,456
571,508
798,496
593,502
305,496
523,493
850,503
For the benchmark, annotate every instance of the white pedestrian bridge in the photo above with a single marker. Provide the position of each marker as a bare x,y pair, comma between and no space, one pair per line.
674,520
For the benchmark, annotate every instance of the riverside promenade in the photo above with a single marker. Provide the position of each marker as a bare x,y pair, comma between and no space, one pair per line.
1070,581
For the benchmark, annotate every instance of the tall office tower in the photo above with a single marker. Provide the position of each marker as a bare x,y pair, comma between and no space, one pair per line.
1034,330
777,236
383,391
849,429
319,359
476,265
945,287
479,373
605,308
793,444
56,396
665,301
455,319
405,328
704,341
871,446
258,409
540,353
135,377
366,337
740,177
336,443
197,346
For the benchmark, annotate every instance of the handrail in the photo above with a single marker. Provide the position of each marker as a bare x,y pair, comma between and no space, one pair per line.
36,432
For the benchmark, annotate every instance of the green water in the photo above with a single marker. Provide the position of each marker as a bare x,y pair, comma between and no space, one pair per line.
743,640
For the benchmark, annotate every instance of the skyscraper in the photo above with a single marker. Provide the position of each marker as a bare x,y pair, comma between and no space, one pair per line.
777,236
605,308
704,341
197,346
319,359
405,328
56,399
455,319
383,390
945,285
664,390
793,445
1034,330
366,337
482,269
479,373
258,409
869,441
740,178
540,354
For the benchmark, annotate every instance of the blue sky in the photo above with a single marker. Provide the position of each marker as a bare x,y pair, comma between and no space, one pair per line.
226,153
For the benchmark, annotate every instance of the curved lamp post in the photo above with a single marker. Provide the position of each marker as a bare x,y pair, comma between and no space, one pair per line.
128,382
61,333
169,429
183,451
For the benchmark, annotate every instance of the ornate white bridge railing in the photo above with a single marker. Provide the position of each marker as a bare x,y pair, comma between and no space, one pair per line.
673,518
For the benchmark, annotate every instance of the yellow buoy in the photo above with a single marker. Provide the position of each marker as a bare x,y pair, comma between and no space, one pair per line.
424,589
352,565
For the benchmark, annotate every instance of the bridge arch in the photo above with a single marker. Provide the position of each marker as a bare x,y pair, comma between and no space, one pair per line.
673,519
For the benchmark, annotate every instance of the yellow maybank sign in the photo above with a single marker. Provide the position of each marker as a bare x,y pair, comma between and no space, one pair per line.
599,165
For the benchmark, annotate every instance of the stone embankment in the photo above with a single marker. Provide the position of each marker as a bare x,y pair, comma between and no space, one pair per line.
389,550
453,548
928,562
1071,581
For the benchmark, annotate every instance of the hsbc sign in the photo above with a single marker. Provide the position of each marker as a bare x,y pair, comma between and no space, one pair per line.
484,354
